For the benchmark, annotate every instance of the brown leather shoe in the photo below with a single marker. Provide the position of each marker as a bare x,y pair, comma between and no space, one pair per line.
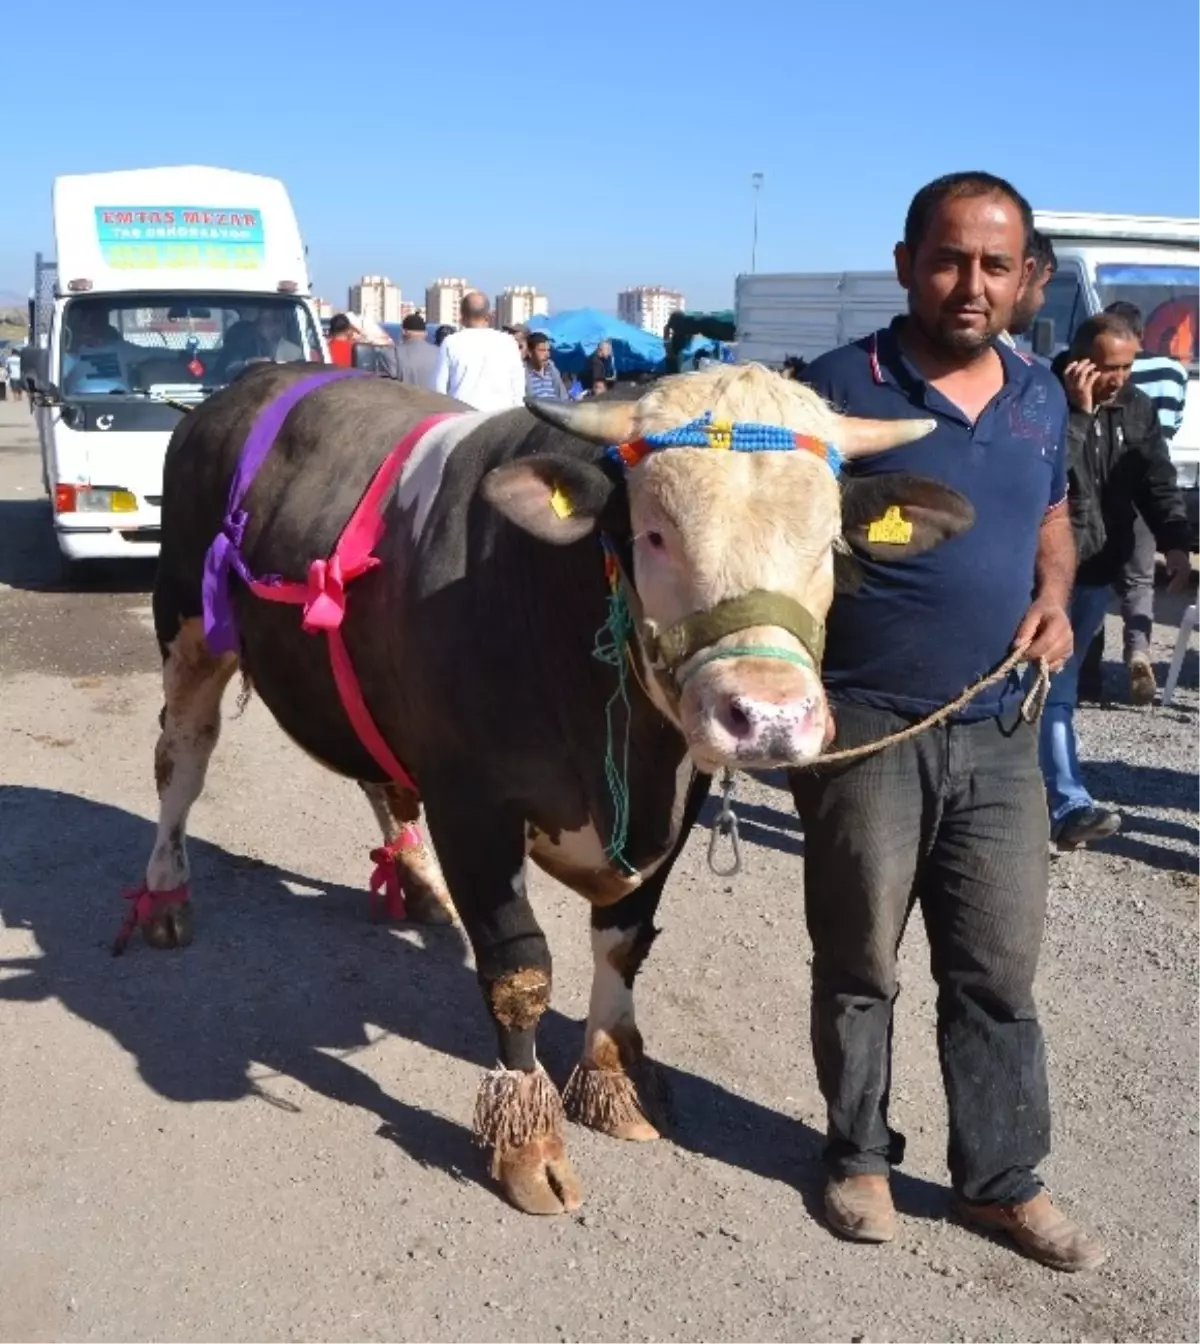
1040,1230
860,1208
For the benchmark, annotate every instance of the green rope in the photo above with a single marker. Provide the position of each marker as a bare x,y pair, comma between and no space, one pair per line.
797,656
611,641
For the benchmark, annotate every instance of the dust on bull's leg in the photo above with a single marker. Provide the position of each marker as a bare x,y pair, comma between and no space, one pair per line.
603,1092
615,1088
397,811
193,683
518,1111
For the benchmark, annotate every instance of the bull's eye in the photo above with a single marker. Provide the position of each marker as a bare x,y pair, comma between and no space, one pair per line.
655,541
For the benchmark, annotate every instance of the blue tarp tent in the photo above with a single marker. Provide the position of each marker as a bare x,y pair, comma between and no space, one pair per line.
574,335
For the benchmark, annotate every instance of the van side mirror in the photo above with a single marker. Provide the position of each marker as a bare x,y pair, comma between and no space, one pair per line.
1042,338
35,373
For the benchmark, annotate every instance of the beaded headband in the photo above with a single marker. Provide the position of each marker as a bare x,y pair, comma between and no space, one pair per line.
729,436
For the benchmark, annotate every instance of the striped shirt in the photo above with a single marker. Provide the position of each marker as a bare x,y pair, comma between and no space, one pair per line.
1165,383
546,384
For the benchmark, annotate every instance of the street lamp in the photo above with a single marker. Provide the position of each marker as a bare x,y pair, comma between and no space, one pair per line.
756,181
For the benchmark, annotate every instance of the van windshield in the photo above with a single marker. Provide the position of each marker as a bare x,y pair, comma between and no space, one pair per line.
1168,297
135,343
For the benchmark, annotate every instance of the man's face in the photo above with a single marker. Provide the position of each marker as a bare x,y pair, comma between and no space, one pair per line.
539,354
1113,357
604,349
270,324
1030,302
91,328
965,276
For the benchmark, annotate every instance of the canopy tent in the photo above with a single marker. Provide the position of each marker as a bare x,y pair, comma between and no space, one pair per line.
574,336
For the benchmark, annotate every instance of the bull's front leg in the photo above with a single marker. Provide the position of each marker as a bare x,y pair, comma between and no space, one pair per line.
518,1112
615,1089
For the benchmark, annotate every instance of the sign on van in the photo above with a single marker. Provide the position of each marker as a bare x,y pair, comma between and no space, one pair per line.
179,237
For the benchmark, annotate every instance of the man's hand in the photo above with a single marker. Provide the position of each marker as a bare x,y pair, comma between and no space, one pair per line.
1080,379
1179,571
1046,633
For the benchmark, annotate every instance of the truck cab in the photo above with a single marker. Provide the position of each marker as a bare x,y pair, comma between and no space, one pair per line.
153,306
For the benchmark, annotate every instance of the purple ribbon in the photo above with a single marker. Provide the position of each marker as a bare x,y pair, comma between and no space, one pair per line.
224,556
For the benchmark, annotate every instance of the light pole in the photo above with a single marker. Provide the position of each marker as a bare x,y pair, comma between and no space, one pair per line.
756,181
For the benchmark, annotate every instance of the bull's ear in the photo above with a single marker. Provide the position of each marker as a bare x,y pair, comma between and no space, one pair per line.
894,515
556,499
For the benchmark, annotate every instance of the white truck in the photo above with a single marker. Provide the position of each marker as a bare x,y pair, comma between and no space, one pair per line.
167,283
1152,261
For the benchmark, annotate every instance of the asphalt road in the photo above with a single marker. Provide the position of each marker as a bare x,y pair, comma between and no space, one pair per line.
267,1136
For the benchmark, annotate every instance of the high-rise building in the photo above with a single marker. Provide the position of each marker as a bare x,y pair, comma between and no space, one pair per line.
649,306
376,298
324,309
443,300
520,304
407,308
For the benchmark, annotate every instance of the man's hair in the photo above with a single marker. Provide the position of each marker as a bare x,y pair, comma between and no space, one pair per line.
1102,324
339,323
1041,249
1130,312
537,338
442,332
959,186
413,322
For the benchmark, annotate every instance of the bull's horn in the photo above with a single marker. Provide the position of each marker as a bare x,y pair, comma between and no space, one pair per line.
599,421
857,437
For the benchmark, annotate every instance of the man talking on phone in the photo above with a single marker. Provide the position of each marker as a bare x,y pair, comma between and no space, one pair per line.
1117,462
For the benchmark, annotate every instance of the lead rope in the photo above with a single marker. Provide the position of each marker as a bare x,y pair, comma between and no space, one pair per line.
725,825
611,642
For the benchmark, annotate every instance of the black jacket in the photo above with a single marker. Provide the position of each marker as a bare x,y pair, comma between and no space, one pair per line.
1118,463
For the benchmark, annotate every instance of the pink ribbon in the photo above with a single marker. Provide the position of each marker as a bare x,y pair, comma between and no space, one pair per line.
143,905
386,889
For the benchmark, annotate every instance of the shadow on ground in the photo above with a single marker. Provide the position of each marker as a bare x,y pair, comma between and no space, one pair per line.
278,979
29,558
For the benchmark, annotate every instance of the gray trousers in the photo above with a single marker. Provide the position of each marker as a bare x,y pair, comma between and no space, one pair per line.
955,819
1135,588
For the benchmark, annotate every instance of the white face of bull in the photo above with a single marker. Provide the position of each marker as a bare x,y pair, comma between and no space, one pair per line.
706,526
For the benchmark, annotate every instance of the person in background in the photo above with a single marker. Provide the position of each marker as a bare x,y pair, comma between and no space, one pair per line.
270,337
416,359
442,332
1033,296
953,819
342,338
521,336
12,367
1117,462
479,365
1165,382
542,379
601,372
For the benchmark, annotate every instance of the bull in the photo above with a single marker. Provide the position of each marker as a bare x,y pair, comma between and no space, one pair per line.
511,540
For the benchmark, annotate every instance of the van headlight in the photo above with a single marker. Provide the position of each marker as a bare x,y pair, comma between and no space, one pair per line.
105,501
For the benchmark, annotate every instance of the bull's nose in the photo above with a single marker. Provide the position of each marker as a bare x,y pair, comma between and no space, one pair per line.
764,728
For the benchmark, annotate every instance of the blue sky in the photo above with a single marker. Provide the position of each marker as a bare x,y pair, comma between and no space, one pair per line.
585,148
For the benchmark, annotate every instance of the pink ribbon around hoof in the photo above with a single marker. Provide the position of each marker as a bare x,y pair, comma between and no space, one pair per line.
386,889
144,904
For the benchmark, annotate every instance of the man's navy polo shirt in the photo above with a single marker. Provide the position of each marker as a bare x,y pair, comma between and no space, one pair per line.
920,630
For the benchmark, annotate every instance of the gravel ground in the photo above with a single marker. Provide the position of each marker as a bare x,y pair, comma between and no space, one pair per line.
267,1136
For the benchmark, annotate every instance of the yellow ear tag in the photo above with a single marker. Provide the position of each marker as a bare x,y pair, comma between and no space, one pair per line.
892,529
560,502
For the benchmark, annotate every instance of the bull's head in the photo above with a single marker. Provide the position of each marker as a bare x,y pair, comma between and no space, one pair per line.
732,553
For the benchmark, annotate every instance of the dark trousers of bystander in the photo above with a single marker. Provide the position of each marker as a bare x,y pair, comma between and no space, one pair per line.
955,819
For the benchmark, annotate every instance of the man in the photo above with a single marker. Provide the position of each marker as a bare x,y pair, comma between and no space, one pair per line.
955,817
1165,382
271,341
343,336
478,364
416,358
97,356
1118,462
600,371
542,379
1033,296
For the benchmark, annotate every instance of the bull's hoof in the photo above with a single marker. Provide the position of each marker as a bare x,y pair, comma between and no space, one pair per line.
607,1100
170,926
538,1177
